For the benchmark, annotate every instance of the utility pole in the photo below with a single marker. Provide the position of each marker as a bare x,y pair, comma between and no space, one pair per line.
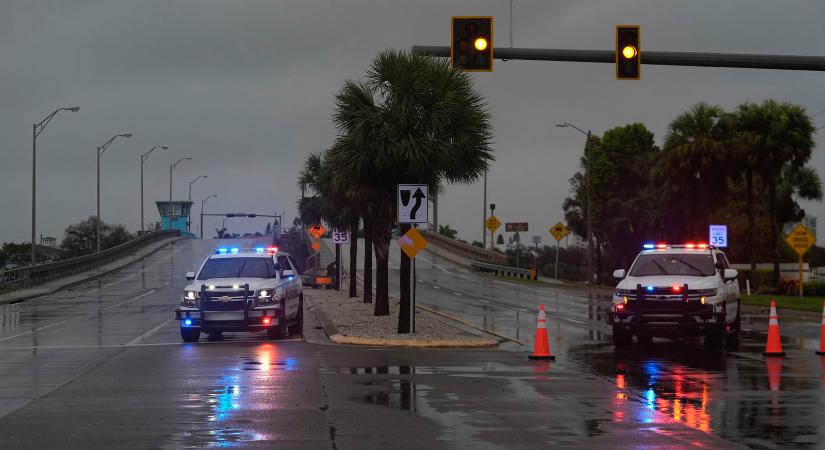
484,214
100,151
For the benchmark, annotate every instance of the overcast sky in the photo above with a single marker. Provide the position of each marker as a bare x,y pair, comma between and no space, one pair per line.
246,88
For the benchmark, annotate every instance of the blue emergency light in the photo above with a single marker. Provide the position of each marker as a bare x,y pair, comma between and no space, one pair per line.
221,250
234,250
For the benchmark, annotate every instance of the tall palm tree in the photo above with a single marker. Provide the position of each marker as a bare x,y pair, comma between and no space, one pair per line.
694,167
413,120
782,135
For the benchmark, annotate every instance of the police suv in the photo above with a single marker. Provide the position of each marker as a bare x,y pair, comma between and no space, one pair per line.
243,290
676,291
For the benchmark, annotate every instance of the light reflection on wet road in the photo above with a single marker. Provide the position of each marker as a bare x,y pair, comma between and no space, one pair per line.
101,363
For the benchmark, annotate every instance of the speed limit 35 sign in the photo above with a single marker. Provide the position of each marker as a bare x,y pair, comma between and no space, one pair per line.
718,236
340,237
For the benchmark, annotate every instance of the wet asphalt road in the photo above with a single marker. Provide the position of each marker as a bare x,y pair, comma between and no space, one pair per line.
101,366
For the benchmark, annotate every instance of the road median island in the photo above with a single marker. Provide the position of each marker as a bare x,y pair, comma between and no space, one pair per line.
351,321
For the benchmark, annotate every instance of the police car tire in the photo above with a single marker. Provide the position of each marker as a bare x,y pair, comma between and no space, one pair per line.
190,334
298,327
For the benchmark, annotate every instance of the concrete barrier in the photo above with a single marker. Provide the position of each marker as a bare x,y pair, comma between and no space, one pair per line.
467,251
515,272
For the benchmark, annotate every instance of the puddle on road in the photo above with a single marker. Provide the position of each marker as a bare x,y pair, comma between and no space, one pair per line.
397,394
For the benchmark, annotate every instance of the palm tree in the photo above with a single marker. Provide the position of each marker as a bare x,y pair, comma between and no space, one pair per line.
780,135
414,120
694,167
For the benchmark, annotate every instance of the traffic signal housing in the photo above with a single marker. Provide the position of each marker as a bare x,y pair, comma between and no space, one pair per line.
628,52
471,46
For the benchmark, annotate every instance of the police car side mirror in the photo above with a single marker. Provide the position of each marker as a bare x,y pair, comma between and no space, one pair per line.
730,274
619,274
190,275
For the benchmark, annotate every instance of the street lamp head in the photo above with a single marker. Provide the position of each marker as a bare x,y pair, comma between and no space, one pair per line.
187,158
162,147
563,125
73,109
126,135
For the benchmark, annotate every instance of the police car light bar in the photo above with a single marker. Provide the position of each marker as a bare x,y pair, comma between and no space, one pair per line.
236,250
690,246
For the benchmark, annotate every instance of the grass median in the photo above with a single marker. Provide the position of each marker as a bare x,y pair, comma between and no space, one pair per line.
784,301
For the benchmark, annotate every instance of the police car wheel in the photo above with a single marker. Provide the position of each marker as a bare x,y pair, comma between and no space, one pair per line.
298,327
190,334
276,332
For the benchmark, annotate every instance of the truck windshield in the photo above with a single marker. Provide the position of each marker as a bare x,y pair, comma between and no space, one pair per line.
237,268
652,264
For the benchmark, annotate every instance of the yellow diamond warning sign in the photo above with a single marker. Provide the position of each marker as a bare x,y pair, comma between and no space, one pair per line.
801,239
412,242
559,231
492,223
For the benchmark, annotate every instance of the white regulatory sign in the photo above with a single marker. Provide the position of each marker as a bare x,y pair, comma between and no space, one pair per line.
718,236
340,237
412,203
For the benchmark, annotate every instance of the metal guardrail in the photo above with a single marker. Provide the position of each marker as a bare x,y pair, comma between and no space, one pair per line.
471,251
502,270
29,276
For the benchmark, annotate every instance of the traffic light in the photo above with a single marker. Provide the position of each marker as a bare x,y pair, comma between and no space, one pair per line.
471,46
628,52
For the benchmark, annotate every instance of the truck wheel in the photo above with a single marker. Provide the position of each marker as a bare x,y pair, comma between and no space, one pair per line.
190,334
622,338
276,332
716,338
298,327
732,340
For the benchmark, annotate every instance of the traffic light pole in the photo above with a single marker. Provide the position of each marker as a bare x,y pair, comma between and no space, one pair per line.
693,59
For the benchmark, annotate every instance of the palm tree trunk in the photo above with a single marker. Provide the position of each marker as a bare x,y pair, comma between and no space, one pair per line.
774,226
381,242
751,218
367,260
404,311
353,259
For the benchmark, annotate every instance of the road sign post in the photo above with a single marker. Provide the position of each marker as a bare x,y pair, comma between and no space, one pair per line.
411,243
516,227
559,231
801,240
536,241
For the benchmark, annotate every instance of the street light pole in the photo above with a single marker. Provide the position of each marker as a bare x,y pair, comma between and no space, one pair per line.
38,128
143,159
203,202
100,151
171,169
587,199
193,182
483,215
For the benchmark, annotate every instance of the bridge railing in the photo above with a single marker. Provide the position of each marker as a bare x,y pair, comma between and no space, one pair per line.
503,270
29,276
466,250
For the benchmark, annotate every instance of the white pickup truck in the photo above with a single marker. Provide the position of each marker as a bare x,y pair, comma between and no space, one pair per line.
674,291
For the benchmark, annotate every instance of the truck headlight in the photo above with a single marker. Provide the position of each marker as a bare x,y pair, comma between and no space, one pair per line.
266,296
189,298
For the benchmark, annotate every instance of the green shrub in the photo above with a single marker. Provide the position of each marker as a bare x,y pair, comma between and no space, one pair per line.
761,280
815,288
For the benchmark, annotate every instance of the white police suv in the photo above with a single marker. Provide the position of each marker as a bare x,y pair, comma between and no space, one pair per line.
243,290
676,291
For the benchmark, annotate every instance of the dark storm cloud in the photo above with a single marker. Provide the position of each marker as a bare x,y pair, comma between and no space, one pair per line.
246,89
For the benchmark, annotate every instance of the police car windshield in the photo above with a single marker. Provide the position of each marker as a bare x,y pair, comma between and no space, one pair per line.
652,264
237,268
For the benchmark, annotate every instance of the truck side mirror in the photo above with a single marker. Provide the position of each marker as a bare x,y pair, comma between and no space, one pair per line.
619,274
730,274
190,275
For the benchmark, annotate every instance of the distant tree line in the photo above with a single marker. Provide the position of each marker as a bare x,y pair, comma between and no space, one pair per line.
745,168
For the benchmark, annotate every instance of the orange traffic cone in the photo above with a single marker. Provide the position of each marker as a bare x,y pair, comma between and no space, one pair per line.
821,350
541,344
774,346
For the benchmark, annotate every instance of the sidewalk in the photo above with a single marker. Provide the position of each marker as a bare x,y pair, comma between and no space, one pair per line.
55,285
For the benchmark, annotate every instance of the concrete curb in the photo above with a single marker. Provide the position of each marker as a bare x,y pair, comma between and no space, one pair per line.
78,278
414,343
469,324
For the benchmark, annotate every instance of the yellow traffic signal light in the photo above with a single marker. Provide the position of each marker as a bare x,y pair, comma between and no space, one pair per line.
471,43
628,57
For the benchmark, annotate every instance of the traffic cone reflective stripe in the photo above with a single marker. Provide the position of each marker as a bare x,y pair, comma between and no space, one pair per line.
541,344
821,350
774,345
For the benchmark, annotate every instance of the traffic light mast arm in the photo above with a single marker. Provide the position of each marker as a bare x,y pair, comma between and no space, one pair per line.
691,59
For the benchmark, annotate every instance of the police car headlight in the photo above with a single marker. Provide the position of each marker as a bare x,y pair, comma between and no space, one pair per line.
189,298
264,293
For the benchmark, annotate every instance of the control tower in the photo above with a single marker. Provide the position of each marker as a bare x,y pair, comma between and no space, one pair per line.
174,215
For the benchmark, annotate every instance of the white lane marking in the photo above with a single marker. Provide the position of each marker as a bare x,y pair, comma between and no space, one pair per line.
436,287
573,320
136,273
458,294
483,301
85,316
442,268
148,333
522,310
